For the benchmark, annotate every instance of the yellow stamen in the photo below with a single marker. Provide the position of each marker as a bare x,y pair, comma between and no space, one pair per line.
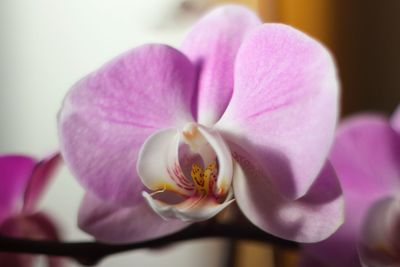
202,178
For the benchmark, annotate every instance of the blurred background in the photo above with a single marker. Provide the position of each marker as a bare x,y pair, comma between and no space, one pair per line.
46,46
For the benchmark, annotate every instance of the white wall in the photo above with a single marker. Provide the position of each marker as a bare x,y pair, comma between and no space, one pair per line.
46,46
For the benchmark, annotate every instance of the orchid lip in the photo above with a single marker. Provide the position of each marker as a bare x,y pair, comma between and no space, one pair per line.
194,179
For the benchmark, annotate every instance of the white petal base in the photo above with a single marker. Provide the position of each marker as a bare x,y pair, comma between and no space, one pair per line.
191,210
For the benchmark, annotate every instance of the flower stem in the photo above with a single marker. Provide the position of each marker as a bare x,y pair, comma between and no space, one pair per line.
90,253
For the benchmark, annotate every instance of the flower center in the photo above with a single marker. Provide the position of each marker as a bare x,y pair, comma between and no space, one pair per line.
194,181
204,180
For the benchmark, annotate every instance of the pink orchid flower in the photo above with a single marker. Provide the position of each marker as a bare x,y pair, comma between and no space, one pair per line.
366,156
245,111
22,181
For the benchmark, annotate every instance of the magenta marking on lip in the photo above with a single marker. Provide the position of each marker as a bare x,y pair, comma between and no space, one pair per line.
177,175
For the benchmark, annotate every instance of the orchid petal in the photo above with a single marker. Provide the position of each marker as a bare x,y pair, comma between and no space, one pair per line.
15,172
158,163
46,227
365,156
113,224
108,115
396,120
284,105
311,218
212,45
379,244
191,210
38,226
41,176
342,242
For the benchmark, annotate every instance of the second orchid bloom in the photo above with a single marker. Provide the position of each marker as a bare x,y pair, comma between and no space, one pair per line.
366,156
244,112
